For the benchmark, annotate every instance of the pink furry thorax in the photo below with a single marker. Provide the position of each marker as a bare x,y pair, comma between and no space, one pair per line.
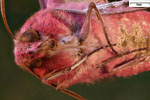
50,27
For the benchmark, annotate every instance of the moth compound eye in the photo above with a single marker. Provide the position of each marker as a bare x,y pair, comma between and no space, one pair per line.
53,44
30,36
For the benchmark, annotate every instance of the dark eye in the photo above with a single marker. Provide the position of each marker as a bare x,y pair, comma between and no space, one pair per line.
53,44
30,36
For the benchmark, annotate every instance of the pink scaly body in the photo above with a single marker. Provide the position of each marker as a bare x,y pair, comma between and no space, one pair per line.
69,50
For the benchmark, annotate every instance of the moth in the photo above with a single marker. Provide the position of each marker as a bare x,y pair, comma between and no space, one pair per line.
65,43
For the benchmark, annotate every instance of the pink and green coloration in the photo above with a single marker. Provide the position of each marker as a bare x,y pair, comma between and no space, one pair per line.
65,29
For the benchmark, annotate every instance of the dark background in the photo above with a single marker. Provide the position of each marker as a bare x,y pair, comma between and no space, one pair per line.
16,84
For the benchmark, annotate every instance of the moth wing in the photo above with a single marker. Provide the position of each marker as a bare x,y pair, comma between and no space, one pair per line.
95,1
50,3
43,3
55,3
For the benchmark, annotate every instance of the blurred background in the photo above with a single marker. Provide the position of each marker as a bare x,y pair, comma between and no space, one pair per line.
16,84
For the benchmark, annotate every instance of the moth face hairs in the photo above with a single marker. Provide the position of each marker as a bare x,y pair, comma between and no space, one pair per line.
67,42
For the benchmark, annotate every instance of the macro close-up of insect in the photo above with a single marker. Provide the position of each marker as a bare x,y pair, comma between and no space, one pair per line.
105,44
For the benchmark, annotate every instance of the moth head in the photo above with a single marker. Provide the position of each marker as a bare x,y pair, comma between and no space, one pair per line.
31,47
44,42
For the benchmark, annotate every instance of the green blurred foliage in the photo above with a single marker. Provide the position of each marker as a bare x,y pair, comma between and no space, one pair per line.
16,84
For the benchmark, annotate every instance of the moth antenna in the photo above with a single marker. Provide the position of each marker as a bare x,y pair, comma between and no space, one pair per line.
73,94
5,20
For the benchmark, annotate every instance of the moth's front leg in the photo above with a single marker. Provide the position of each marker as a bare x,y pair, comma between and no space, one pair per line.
86,28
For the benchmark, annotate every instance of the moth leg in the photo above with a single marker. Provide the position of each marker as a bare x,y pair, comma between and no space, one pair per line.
130,64
68,92
148,44
87,25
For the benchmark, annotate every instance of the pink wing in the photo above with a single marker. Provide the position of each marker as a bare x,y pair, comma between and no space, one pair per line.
53,3
56,3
